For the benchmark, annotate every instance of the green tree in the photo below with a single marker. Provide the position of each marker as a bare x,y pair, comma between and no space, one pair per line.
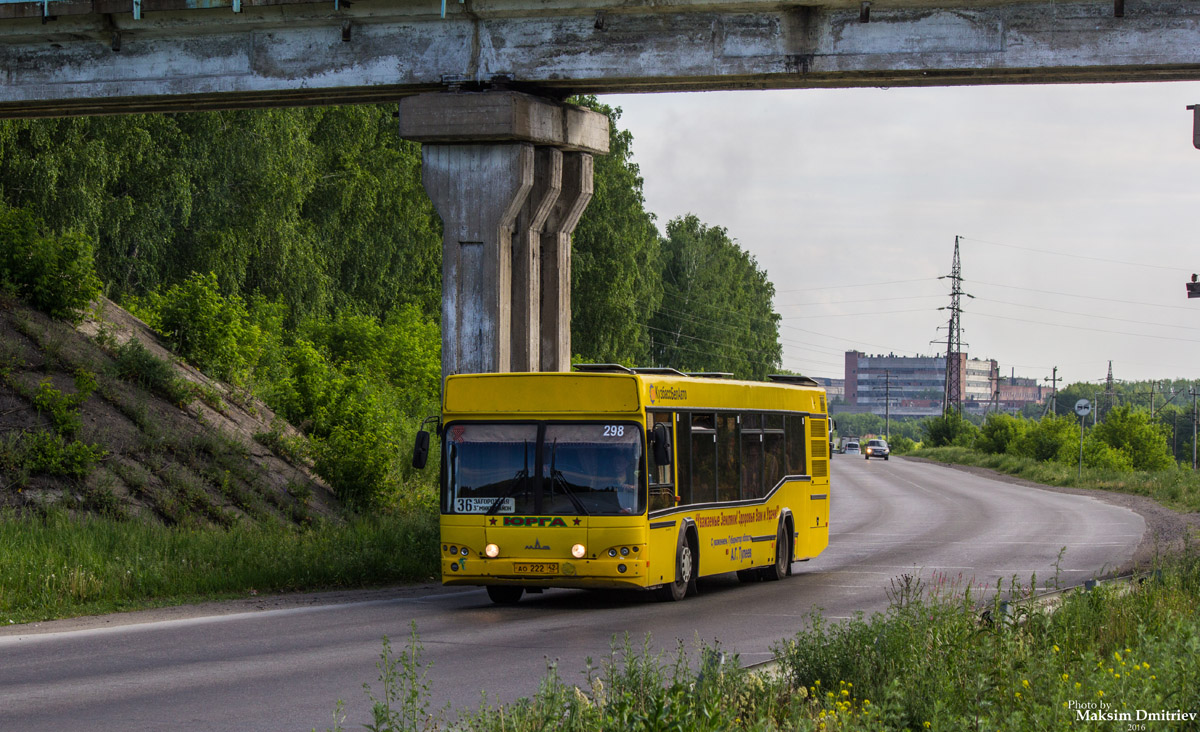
717,311
53,273
615,260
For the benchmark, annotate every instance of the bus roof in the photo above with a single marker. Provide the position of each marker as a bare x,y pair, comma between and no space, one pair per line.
626,391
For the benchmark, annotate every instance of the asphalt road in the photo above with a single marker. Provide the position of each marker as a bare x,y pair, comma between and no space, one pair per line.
284,669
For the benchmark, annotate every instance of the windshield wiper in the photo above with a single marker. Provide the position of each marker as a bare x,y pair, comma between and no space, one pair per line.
556,477
518,480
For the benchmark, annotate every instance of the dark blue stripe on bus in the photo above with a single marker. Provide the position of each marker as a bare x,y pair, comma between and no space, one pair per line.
770,537
818,496
662,524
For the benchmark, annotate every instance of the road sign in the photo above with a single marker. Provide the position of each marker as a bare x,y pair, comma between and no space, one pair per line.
1083,407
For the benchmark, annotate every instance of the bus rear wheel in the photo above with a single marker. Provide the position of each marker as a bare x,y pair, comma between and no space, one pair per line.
505,594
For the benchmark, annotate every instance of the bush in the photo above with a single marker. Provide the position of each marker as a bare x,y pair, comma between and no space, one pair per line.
901,445
135,363
998,432
949,429
24,453
54,274
1050,439
1143,443
209,330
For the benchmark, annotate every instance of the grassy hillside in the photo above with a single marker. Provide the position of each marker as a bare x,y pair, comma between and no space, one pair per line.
99,418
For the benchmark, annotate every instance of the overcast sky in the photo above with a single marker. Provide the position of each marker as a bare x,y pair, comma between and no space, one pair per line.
1078,208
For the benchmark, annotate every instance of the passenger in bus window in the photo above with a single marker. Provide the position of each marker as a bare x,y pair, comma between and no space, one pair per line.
627,482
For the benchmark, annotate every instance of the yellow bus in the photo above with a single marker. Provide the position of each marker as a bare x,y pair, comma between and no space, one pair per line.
609,477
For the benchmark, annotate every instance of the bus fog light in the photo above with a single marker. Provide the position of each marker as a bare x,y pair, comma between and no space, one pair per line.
454,550
612,552
492,551
621,568
624,551
578,551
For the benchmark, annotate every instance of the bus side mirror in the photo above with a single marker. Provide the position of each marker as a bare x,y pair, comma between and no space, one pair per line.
421,450
662,444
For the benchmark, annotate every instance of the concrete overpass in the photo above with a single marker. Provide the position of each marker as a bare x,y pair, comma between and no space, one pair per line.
62,57
509,169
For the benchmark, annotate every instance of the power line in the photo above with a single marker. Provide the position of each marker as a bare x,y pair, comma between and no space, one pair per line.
1085,297
1074,255
857,284
866,299
872,313
1087,315
720,325
1084,327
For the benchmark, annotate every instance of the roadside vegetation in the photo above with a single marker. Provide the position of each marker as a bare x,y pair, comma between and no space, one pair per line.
1126,452
58,565
936,659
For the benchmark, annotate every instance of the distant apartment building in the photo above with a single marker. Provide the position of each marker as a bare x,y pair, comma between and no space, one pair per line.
916,385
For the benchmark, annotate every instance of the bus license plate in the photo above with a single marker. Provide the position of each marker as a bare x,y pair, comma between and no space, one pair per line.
536,567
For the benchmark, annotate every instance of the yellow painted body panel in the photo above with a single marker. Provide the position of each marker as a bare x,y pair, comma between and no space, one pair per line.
730,536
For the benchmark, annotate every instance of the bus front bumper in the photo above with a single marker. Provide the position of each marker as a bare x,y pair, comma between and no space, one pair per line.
615,573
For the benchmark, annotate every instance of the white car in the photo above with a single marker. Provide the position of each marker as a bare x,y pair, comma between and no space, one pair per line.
851,448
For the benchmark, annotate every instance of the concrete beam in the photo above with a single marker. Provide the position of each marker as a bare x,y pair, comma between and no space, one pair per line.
297,54
502,116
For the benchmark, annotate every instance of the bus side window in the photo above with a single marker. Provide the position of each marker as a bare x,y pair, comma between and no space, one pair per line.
797,463
704,458
659,478
773,466
683,456
729,474
752,456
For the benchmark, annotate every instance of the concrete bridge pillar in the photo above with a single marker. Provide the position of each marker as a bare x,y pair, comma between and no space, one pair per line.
509,174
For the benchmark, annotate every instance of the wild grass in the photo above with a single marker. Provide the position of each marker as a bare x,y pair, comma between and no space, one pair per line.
1176,488
59,566
932,660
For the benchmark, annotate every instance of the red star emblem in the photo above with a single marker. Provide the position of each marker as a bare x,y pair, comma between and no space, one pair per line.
576,522
493,522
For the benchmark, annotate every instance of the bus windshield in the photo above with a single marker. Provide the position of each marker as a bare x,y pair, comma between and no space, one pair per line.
585,469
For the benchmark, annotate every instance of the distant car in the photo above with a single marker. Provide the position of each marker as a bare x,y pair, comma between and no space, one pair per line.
877,448
851,448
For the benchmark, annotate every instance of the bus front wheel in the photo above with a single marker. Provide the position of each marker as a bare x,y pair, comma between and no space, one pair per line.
684,569
778,570
505,594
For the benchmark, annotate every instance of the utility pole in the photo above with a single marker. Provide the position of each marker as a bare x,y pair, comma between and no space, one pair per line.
1053,403
1109,390
1192,391
887,405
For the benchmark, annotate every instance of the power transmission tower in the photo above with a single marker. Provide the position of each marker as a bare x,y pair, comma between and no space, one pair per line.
953,394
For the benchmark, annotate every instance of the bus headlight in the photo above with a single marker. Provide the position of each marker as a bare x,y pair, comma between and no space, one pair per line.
578,551
492,551
624,551
612,552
